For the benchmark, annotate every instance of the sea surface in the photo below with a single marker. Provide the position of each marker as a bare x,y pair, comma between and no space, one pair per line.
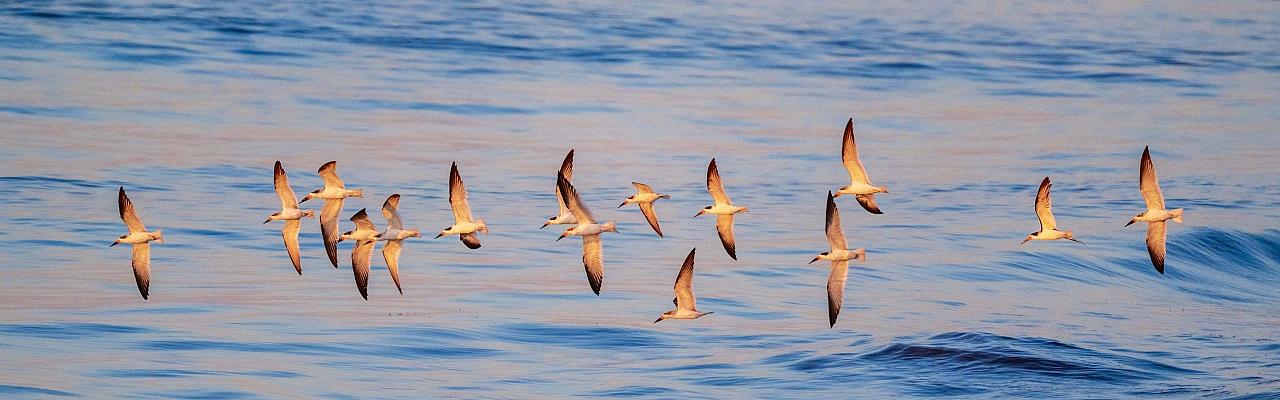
961,109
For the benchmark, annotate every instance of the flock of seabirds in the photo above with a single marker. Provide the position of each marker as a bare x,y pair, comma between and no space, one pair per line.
581,223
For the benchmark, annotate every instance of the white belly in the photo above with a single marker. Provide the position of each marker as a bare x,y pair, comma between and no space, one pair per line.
136,238
856,188
724,209
465,227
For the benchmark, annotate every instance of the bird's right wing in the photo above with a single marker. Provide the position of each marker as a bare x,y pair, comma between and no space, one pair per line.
287,199
361,219
724,226
470,240
361,257
1155,244
868,202
329,172
391,212
1148,182
127,213
593,261
329,228
684,285
715,186
835,235
290,233
1044,206
391,253
835,289
849,153
142,267
651,216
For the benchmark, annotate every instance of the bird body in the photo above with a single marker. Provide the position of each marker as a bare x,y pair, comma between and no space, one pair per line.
644,198
464,225
141,239
686,303
723,208
859,183
1156,214
839,255
589,230
291,215
333,193
565,217
1044,212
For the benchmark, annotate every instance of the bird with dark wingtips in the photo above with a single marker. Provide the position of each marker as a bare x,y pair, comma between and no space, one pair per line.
839,255
686,303
291,215
1044,211
723,208
395,236
1156,214
333,193
366,236
589,230
859,184
141,241
644,197
463,224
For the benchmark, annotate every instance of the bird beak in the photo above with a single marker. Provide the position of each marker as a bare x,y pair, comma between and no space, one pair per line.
439,235
623,204
561,237
815,259
544,224
1074,240
1024,241
304,199
1131,222
657,320
339,240
113,244
268,220
696,215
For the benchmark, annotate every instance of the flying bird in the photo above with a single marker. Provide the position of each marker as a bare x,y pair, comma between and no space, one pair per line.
365,235
686,304
645,196
565,217
589,230
140,239
723,209
1156,215
333,194
395,236
463,225
291,215
859,184
839,255
1044,211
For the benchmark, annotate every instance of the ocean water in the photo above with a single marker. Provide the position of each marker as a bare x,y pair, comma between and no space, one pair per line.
961,109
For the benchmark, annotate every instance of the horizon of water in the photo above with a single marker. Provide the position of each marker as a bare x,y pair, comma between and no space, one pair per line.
960,109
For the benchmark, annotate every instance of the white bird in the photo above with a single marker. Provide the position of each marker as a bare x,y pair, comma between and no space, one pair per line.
140,239
463,225
589,230
1156,215
565,217
365,235
395,236
645,196
839,255
686,304
291,215
1044,211
723,209
859,185
333,194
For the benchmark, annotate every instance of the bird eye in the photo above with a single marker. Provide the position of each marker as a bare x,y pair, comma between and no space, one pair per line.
706,208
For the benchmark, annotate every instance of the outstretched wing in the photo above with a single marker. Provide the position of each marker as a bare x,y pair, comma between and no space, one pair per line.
642,188
287,199
715,186
835,289
1044,206
290,233
470,239
651,216
458,197
329,228
574,202
391,253
1155,244
361,257
868,202
127,213
142,267
835,235
329,172
724,226
362,221
391,212
684,285
1148,182
849,153
593,261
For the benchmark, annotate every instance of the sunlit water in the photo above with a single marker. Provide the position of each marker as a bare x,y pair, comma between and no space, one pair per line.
961,110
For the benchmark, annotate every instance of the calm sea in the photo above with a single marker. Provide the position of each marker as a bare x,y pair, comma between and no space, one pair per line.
961,109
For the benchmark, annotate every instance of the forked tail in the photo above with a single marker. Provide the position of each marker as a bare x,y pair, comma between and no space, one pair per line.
483,226
357,193
1177,215
860,254
159,236
609,227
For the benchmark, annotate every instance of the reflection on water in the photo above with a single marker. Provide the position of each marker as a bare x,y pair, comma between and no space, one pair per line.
961,110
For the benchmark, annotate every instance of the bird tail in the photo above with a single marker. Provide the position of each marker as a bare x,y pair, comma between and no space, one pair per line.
609,227
358,193
665,196
483,226
159,236
882,189
1177,215
860,254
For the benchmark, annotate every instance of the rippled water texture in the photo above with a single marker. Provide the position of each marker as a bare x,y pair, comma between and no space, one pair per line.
961,110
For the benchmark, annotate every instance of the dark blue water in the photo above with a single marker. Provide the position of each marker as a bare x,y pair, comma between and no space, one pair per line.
961,110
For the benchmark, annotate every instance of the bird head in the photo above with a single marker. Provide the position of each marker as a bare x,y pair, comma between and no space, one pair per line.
309,196
1028,238
272,217
664,315
446,231
702,211
819,257
1134,219
629,200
